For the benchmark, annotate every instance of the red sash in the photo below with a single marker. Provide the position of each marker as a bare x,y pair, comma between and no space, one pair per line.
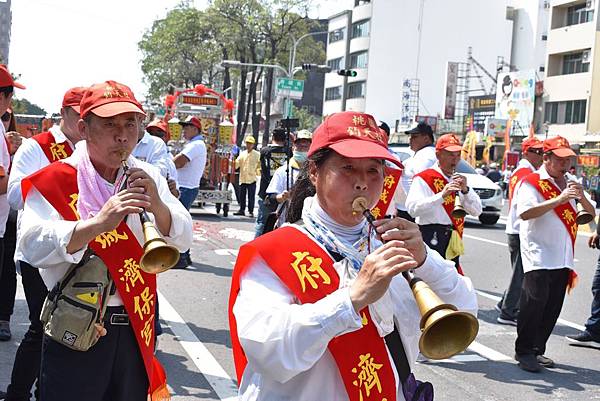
436,183
515,178
53,151
121,252
565,212
308,272
390,183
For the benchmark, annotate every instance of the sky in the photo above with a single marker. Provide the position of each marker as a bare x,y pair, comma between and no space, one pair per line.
58,44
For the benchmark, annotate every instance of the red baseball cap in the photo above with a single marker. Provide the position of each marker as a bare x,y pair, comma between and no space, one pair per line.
159,124
109,99
559,146
354,135
73,98
192,121
6,78
449,142
531,143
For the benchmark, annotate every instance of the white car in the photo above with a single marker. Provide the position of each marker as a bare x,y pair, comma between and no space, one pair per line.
489,192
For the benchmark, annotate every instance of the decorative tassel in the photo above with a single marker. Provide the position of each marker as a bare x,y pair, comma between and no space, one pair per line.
573,280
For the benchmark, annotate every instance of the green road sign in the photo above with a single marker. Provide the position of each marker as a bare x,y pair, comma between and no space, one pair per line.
290,87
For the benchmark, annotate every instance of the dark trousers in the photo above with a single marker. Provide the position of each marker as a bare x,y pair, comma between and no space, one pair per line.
250,191
437,237
187,196
112,370
510,300
542,298
8,273
26,367
592,325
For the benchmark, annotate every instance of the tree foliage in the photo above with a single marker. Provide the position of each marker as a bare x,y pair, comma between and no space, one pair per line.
24,106
186,47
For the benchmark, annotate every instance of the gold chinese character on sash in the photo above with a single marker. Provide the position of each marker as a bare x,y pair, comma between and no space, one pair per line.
568,216
131,273
384,196
438,184
574,230
143,303
389,181
513,180
146,333
364,319
544,186
448,200
58,151
376,212
309,272
367,376
110,237
553,194
73,204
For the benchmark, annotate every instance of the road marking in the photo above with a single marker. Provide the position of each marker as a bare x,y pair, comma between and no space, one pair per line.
561,321
206,363
234,233
460,358
485,240
227,252
487,352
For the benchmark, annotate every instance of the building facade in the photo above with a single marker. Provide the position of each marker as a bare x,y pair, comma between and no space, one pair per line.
5,25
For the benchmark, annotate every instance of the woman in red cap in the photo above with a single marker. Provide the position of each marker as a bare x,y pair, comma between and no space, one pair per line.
320,317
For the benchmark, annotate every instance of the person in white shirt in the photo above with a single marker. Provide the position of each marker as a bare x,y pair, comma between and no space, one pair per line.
431,200
190,163
7,85
508,306
422,143
309,319
547,209
34,154
105,197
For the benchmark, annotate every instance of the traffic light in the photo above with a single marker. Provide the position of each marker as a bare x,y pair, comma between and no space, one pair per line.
347,73
308,67
316,67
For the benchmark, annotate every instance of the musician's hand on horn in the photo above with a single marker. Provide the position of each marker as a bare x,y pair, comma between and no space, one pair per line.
462,181
138,178
450,188
378,270
570,192
127,201
403,230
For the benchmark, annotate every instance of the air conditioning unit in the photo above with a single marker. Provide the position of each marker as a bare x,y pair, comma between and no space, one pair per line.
585,56
589,5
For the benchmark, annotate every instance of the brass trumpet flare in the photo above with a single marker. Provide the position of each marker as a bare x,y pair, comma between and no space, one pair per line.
158,255
583,217
459,211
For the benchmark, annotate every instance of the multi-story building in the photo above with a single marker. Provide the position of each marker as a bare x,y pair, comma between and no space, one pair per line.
572,84
5,25
389,42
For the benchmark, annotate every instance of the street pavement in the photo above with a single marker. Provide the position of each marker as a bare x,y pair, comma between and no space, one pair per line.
196,349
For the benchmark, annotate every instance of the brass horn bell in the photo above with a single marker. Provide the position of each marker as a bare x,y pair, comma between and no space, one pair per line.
583,217
459,211
158,255
445,330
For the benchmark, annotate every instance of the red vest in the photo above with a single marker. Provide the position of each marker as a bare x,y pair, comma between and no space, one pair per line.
53,151
121,252
308,272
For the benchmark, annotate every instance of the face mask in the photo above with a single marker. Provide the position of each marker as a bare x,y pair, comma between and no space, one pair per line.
300,156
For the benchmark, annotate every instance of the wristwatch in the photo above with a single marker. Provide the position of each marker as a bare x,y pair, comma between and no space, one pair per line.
465,192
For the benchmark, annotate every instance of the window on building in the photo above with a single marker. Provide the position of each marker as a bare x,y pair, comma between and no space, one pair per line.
334,93
357,89
335,64
579,14
569,112
360,28
359,59
337,35
574,63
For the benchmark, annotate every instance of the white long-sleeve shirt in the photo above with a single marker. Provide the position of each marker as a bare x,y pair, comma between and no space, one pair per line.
45,235
5,164
427,207
422,160
153,150
512,220
286,343
545,242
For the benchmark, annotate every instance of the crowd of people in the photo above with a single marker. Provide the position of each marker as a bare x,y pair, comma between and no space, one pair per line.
330,315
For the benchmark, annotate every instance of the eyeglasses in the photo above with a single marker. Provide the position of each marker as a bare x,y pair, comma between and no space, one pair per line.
536,151
6,116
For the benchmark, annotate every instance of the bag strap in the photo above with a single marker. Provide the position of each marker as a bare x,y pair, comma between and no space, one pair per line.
396,348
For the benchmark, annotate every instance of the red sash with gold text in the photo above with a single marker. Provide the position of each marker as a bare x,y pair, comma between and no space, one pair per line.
121,252
53,151
515,178
390,183
308,272
565,212
436,183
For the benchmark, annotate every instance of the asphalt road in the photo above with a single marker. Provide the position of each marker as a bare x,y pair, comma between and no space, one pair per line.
196,350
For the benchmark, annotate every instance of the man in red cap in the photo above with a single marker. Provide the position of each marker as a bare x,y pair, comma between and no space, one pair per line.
532,151
34,154
309,320
190,163
7,85
546,205
82,205
432,196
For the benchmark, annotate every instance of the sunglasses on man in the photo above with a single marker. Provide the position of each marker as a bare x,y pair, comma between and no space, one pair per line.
537,151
